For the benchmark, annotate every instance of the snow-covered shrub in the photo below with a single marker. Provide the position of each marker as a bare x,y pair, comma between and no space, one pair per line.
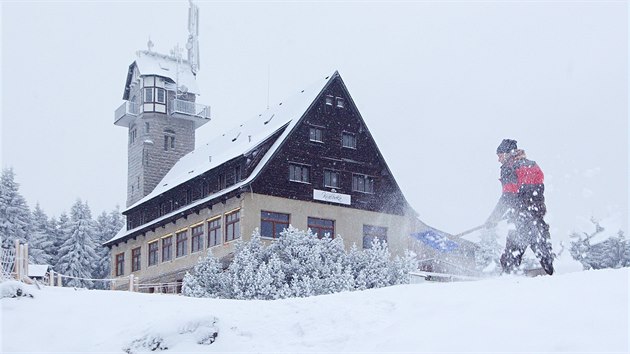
298,264
13,288
208,278
613,252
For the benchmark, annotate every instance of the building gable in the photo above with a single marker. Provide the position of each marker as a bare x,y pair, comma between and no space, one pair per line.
333,146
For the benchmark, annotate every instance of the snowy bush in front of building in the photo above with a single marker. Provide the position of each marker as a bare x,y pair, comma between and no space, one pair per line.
298,264
612,252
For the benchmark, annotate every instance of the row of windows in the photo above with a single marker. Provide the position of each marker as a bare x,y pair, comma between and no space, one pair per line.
271,225
178,245
360,183
348,140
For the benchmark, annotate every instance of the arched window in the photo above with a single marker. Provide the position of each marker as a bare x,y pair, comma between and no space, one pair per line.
169,139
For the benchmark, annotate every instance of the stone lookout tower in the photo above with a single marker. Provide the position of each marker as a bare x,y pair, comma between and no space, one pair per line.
161,111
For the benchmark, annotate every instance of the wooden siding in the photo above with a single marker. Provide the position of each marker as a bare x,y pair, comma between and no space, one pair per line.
330,154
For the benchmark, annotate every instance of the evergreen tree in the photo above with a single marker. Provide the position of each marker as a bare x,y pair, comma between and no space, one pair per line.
206,279
41,243
108,225
77,254
487,257
15,216
60,229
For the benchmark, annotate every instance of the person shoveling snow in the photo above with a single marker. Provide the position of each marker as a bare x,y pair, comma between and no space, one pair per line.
522,202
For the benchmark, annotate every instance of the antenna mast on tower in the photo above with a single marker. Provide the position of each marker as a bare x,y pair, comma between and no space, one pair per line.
193,43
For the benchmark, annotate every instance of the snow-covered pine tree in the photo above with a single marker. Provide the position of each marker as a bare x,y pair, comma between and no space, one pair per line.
77,254
206,280
487,257
301,255
241,276
60,229
108,225
15,216
41,243
400,268
371,266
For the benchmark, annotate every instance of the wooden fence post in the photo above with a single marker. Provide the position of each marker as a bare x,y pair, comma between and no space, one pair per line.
51,278
17,261
59,283
25,260
131,282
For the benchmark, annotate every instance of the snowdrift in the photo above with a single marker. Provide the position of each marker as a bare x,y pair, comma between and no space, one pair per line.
575,312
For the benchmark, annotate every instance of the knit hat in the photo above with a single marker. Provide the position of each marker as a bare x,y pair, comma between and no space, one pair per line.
506,146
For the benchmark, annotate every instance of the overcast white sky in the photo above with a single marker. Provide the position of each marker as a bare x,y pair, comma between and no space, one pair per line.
439,84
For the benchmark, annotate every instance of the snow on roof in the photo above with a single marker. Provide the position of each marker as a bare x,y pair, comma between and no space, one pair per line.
37,270
238,141
151,63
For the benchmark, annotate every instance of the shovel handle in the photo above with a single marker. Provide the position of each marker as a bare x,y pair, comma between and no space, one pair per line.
469,231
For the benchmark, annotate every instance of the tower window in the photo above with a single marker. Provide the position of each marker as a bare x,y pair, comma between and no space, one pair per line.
169,142
161,95
148,94
147,127
340,102
133,134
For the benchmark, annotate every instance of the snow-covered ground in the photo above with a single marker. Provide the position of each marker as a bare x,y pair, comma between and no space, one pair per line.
574,312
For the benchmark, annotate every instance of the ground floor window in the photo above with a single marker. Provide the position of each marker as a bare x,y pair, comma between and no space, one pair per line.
322,227
272,224
233,225
120,264
167,248
135,259
182,243
214,232
153,253
371,232
196,238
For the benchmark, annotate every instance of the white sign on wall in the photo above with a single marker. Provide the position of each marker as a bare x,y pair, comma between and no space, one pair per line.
331,197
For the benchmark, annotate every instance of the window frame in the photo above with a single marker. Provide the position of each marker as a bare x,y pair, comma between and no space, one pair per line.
313,136
181,243
352,144
302,167
356,177
120,264
311,222
153,253
167,248
157,92
196,239
136,259
328,178
276,220
214,231
233,225
340,102
373,231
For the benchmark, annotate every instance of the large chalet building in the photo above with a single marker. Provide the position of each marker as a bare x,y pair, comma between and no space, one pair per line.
309,162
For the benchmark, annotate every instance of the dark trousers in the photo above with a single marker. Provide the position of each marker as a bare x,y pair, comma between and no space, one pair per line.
531,231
